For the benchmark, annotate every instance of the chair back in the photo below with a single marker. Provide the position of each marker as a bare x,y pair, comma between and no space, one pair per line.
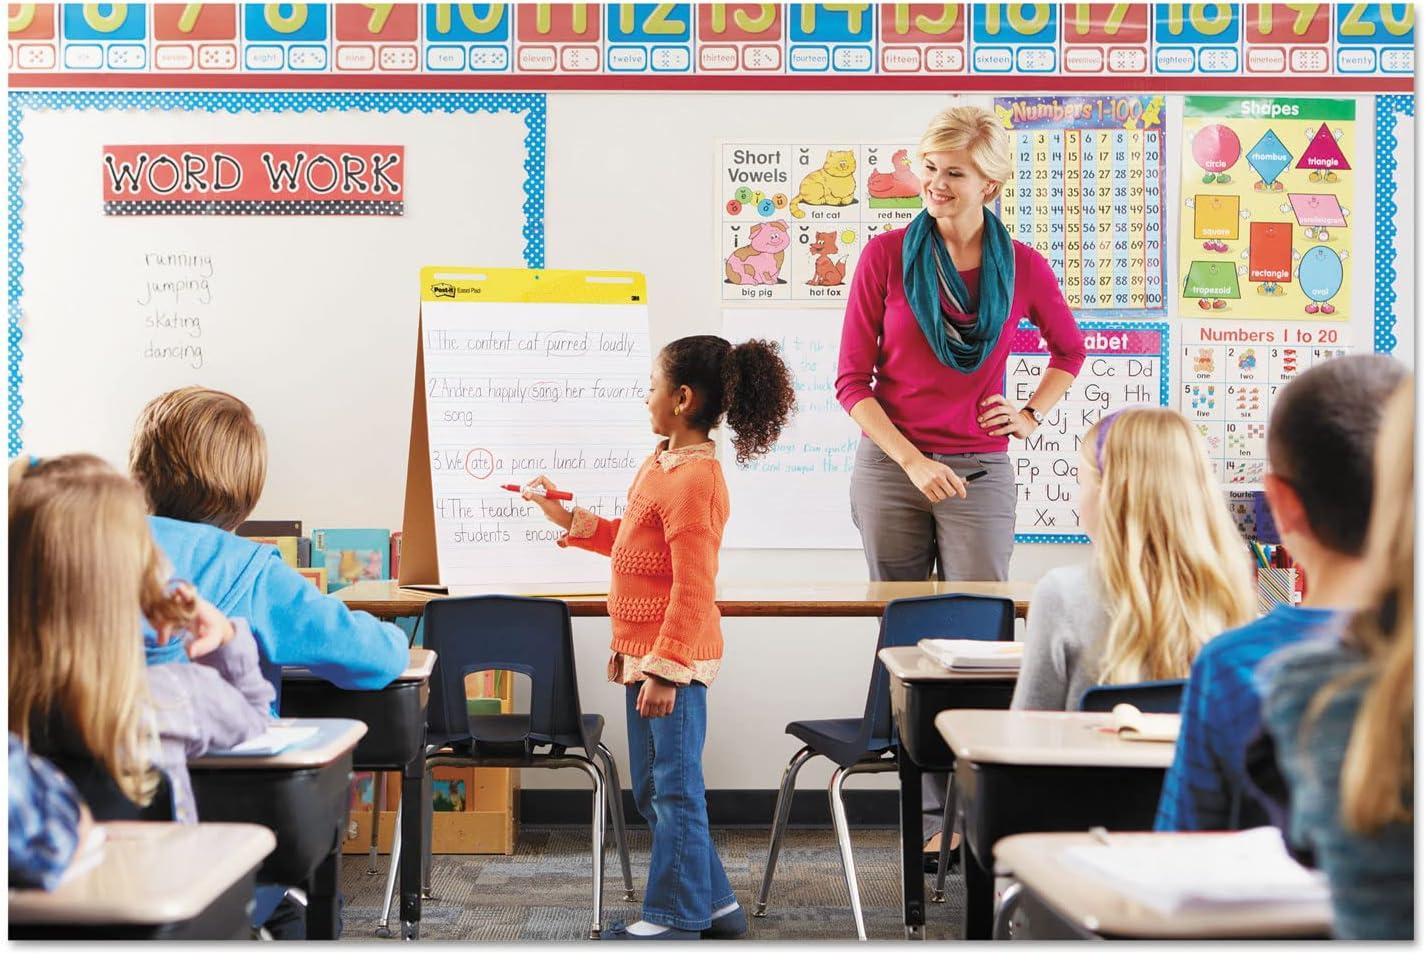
1160,695
909,620
515,633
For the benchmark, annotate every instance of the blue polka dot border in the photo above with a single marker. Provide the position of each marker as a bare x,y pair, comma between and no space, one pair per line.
532,105
1389,110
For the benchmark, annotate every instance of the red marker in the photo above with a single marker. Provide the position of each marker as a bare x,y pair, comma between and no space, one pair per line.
551,494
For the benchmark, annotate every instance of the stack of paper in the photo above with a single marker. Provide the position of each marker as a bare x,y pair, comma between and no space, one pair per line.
973,653
1172,874
277,738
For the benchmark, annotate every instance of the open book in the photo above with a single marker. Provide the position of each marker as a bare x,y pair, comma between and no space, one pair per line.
1192,870
973,653
1136,726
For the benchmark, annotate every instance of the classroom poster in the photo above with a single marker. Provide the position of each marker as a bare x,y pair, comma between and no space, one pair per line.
1126,363
1087,193
793,217
1266,225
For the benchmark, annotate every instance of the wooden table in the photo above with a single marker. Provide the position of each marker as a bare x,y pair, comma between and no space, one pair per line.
920,689
301,795
385,599
154,880
1061,900
395,740
1042,771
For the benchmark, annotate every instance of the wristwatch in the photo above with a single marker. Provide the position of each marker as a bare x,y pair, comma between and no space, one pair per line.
1035,415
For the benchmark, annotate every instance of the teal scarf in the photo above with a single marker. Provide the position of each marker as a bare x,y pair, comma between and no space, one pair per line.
930,277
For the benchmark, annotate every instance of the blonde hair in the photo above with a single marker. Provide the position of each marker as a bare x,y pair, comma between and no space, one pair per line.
1378,766
1173,569
975,130
83,568
200,456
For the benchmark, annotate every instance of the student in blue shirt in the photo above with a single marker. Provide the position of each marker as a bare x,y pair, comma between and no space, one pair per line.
48,820
201,459
1319,486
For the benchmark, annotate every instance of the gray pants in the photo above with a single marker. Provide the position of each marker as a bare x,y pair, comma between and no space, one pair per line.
905,536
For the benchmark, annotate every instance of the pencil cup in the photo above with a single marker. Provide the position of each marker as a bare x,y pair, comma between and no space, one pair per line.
1275,585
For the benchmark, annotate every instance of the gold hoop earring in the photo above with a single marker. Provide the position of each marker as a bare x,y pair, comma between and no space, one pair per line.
678,410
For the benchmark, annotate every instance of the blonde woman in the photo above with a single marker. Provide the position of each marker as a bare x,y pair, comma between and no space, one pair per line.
1341,712
929,321
83,571
1169,570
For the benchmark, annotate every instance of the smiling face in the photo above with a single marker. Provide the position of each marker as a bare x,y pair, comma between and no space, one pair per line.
952,187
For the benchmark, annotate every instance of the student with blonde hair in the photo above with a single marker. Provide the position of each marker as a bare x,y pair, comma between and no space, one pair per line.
83,572
1168,572
201,459
1341,712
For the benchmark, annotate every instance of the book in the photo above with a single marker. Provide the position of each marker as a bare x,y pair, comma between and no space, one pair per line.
304,551
974,653
1199,870
317,574
351,556
270,528
286,546
396,555
1135,726
277,738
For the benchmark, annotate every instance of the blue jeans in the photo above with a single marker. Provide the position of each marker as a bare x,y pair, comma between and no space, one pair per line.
686,879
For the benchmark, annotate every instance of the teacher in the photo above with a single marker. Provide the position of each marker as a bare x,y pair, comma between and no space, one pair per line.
930,317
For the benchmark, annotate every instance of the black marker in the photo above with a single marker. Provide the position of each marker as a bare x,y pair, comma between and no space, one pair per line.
974,476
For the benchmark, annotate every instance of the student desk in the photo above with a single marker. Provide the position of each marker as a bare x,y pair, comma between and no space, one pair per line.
1042,771
301,795
155,880
1059,900
395,740
920,688
385,599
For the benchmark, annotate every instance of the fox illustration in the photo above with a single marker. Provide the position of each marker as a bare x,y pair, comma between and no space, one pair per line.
824,270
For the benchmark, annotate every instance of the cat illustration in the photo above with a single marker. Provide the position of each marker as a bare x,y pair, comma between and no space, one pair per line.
824,270
900,183
759,262
833,184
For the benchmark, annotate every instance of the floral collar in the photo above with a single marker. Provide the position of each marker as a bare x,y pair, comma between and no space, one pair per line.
669,459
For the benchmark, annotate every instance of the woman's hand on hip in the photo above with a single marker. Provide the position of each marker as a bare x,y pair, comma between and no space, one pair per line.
934,479
998,418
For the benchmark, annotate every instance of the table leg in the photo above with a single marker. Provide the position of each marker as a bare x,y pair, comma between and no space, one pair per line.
413,837
980,895
324,917
913,878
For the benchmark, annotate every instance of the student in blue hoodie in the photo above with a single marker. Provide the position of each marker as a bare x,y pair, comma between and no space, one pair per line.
201,459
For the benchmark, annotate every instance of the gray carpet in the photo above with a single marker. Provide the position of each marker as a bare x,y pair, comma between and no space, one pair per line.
543,892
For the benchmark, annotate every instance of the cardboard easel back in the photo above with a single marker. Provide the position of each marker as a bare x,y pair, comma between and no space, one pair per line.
418,521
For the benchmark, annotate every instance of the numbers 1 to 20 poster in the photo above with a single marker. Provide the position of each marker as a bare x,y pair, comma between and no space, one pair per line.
1087,193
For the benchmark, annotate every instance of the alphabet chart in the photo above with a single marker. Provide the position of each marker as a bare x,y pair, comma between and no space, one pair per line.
1126,363
794,217
1087,193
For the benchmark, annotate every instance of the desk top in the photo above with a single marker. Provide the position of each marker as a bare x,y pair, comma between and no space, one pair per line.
910,664
334,738
1045,738
419,669
385,599
150,873
1096,905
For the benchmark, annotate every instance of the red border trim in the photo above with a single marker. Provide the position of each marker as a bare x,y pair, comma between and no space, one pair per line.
468,82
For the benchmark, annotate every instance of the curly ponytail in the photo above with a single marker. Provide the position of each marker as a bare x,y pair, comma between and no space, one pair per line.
749,383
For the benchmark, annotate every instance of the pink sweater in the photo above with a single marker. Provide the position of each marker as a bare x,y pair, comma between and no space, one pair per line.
935,406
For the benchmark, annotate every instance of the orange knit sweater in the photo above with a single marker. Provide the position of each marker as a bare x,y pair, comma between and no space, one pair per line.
664,556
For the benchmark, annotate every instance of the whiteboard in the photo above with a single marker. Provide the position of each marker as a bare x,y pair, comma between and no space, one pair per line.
310,319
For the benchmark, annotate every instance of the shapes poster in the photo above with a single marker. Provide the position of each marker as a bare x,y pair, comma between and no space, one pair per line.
1266,228
1088,195
793,217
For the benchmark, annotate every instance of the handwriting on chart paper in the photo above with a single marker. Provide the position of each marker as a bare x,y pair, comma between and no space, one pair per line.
174,299
1126,364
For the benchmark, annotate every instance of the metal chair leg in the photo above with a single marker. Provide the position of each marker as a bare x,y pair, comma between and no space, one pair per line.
383,925
615,792
425,849
779,824
378,804
938,895
596,777
844,844
1005,911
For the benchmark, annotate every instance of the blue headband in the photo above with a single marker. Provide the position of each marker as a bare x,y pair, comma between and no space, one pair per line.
1104,423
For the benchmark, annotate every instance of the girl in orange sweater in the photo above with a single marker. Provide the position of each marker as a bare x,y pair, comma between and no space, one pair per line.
667,641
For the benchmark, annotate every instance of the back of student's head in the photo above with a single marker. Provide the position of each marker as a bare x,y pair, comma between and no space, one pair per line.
200,456
83,568
1173,568
1321,440
748,383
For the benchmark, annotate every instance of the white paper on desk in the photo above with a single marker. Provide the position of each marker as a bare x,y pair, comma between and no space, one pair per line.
277,738
973,653
87,856
1197,871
